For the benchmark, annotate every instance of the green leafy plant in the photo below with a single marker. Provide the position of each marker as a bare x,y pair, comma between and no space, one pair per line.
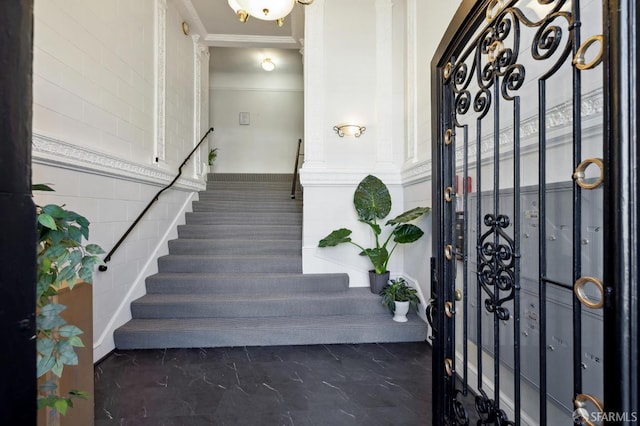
213,154
372,202
399,291
62,260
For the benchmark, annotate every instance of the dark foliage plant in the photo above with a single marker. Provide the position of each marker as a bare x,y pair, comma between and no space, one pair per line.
372,202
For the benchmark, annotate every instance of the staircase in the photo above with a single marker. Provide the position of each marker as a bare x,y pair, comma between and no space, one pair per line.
234,278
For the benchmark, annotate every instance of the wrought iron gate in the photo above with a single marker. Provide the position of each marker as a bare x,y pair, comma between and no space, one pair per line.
520,283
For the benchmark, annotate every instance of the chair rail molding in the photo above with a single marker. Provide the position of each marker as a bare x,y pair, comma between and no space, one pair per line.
54,152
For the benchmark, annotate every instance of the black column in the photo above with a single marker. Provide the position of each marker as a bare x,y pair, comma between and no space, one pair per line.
17,217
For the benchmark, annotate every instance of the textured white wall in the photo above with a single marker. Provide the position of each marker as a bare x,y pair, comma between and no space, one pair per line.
275,106
353,73
94,122
425,25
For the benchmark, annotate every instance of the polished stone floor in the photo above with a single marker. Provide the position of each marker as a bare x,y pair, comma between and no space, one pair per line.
363,384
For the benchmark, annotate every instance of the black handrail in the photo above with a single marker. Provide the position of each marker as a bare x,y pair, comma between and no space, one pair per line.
153,200
295,171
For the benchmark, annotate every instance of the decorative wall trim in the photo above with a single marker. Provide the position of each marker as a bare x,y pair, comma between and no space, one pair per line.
252,89
343,177
417,173
233,40
54,152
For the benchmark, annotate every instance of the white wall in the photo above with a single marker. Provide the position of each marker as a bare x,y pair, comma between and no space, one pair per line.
96,125
374,71
426,25
268,144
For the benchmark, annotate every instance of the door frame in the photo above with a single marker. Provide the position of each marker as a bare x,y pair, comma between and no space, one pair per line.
18,241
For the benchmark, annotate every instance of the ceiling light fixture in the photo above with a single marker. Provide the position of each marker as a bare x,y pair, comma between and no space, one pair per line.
268,65
266,10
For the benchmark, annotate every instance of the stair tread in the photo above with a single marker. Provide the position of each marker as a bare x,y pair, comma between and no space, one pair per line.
206,298
215,324
241,275
230,256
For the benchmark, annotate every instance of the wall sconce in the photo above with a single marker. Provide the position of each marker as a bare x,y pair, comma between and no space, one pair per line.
268,65
349,130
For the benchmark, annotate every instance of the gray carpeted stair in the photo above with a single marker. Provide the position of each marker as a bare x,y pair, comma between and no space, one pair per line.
234,278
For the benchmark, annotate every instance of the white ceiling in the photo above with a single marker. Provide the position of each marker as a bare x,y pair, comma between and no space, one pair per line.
239,47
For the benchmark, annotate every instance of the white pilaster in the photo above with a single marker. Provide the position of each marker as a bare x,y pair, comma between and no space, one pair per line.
384,85
197,83
160,65
314,81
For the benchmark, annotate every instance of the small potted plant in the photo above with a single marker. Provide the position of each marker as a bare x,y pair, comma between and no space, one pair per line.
398,296
213,153
372,201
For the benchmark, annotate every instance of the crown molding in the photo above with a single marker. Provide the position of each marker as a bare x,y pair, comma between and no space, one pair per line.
244,40
54,152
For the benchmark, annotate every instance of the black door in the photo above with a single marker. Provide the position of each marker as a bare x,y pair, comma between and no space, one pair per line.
534,286
17,213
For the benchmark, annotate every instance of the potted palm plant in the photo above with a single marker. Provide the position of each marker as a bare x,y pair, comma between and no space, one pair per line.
398,296
372,202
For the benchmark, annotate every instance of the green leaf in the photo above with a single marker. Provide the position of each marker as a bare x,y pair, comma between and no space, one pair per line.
47,221
61,405
409,215
45,364
75,234
75,341
86,274
49,322
54,211
67,273
41,187
67,354
57,368
336,237
69,331
372,199
56,236
378,257
94,249
407,233
45,346
47,401
79,394
52,309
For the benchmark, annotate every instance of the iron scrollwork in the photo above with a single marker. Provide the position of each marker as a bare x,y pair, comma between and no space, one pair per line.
489,413
496,265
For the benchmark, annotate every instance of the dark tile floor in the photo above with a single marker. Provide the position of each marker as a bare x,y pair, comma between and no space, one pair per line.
364,384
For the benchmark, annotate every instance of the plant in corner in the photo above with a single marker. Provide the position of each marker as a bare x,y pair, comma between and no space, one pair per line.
213,154
372,202
398,296
62,260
